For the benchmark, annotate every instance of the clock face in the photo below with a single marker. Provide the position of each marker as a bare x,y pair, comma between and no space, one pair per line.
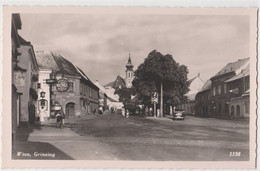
62,85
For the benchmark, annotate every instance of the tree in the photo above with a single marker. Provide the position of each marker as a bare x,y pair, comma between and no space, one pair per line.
161,73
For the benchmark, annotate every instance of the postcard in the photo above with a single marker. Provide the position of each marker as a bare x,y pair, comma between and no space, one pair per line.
129,87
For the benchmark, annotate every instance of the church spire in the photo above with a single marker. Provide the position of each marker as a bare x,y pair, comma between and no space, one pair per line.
129,64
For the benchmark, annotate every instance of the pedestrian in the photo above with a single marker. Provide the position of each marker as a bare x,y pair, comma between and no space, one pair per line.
112,110
59,119
127,113
123,111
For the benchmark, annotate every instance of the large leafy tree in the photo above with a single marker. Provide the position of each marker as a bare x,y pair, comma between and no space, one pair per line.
162,74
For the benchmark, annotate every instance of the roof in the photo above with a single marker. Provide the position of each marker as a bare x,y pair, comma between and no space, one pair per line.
129,63
60,65
232,67
195,84
85,78
191,97
109,84
245,72
115,84
101,88
56,63
206,86
110,99
119,82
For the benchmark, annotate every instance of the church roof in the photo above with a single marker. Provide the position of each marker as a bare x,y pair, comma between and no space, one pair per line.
129,63
119,83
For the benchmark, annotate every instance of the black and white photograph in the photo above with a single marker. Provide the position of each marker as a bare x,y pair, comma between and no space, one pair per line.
132,84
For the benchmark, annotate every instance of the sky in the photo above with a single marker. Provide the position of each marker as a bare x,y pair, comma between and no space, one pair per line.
100,44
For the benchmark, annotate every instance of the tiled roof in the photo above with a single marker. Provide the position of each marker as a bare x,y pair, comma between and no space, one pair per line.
245,72
232,67
56,63
45,60
206,86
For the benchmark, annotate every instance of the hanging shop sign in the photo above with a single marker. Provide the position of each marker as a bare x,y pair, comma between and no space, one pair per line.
62,85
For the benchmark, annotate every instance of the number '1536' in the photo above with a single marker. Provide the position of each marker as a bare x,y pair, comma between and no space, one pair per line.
234,154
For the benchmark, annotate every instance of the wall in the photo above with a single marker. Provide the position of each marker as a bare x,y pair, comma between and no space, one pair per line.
43,87
23,80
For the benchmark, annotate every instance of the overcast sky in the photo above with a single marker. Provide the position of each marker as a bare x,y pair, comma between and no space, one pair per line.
100,44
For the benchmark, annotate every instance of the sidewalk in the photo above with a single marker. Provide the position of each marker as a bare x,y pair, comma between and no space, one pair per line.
51,143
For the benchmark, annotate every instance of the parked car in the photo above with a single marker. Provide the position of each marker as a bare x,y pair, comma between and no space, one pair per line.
178,114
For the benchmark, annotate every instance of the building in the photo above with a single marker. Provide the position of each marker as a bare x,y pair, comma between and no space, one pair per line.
203,100
196,84
221,96
25,80
226,94
69,87
129,73
16,25
102,95
238,86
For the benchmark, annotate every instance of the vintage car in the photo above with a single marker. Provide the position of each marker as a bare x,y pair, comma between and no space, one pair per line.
178,114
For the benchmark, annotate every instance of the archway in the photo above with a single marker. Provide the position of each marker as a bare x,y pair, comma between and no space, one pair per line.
232,110
238,110
70,109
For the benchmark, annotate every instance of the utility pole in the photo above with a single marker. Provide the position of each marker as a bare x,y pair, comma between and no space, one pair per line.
161,106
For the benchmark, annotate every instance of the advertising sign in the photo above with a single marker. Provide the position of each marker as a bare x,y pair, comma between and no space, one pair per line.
62,85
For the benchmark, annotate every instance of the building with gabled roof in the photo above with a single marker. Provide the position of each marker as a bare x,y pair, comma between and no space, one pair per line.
226,94
69,86
220,92
203,100
195,85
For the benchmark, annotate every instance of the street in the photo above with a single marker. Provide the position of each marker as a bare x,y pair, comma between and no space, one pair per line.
113,137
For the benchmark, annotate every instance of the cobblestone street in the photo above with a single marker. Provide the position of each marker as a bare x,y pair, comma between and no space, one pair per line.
113,137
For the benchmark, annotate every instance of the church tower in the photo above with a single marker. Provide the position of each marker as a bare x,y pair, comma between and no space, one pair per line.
129,73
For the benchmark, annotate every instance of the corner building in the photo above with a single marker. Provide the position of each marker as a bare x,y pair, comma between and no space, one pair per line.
72,90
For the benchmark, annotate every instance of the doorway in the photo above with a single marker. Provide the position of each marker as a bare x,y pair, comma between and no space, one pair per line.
70,109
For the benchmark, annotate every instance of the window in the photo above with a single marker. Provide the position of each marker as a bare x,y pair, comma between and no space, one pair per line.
71,88
214,91
225,88
219,89
81,89
39,85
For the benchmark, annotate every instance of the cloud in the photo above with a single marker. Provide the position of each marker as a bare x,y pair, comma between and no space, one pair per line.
100,44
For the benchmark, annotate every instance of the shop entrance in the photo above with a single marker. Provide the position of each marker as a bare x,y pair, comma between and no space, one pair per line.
70,109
